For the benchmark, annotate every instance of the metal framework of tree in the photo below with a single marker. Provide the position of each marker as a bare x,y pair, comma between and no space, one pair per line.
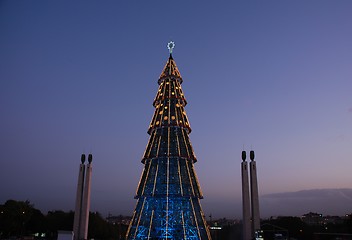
168,192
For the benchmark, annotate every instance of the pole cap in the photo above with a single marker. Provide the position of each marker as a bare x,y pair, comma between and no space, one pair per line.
252,155
244,155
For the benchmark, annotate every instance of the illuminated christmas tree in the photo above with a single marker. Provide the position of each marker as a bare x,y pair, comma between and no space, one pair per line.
168,193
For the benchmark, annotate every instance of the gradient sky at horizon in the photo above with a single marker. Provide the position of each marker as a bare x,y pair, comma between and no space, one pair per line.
272,76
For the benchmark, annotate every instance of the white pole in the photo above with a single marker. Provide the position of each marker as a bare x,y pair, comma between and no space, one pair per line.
86,201
254,195
79,195
246,226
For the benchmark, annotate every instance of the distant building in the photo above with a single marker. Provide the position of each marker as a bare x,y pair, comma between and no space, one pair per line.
317,219
224,228
222,222
125,220
313,218
332,220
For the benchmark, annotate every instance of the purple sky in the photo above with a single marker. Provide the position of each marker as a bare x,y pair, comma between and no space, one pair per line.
81,77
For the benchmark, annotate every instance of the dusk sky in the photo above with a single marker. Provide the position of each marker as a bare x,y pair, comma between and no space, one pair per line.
80,77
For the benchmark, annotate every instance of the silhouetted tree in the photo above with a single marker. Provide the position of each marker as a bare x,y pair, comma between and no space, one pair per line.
37,223
99,228
59,220
14,217
19,218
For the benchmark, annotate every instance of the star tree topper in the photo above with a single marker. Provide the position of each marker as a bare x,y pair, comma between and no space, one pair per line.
171,46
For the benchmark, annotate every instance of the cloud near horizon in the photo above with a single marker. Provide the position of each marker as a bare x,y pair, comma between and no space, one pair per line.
324,201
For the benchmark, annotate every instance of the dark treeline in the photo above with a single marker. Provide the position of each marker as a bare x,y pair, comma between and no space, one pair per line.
18,218
295,228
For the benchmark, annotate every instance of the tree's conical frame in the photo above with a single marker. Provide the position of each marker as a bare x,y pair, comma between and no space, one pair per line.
168,192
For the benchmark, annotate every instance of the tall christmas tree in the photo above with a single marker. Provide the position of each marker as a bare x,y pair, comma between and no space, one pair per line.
168,193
